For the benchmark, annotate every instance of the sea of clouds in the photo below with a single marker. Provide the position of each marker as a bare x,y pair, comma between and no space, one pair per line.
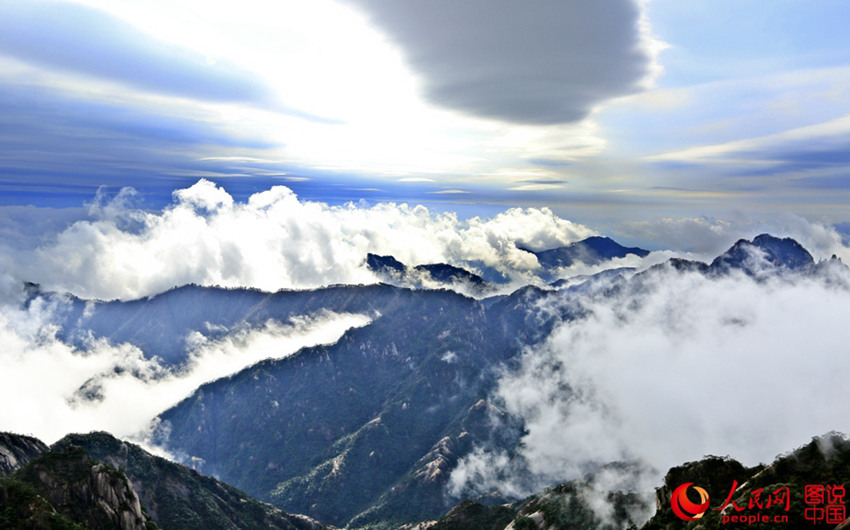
673,367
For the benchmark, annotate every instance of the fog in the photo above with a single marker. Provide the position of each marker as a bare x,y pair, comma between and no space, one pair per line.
50,389
673,367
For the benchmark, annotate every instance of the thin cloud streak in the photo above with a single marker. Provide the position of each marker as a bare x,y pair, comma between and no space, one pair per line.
87,41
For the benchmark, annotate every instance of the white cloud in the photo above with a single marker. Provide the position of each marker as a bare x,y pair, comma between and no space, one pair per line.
706,237
41,378
676,367
747,150
273,241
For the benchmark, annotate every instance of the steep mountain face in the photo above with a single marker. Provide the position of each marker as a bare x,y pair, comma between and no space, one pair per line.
21,506
16,450
81,490
369,428
97,481
179,497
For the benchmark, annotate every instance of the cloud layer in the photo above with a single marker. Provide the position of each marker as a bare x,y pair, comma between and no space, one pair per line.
89,42
675,367
273,241
50,389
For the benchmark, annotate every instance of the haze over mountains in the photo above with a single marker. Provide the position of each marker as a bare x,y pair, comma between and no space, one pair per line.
432,396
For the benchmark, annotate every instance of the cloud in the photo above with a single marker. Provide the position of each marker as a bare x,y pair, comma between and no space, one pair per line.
703,238
674,367
540,63
86,41
55,140
50,389
272,241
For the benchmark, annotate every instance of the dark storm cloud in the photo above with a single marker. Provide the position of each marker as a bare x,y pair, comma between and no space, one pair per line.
79,39
541,62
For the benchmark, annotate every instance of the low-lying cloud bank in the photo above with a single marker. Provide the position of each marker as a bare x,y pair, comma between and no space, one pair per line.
673,367
272,241
50,389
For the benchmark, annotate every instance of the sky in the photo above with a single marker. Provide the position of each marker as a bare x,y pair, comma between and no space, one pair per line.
607,113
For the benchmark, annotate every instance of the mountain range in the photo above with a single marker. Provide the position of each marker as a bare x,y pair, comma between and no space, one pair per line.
361,433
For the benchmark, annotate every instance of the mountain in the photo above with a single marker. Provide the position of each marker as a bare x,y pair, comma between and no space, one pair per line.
449,274
365,432
97,481
758,496
434,275
368,429
764,257
590,282
591,251
778,489
16,450
68,489
594,250
764,254
386,266
160,325
588,503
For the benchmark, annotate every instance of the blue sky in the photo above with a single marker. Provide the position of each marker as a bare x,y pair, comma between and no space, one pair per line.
603,112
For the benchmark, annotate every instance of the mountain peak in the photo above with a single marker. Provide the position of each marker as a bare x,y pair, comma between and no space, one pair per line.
763,252
590,251
391,270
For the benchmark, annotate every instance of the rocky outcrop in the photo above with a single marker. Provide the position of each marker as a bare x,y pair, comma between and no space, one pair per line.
88,492
16,450
178,497
97,481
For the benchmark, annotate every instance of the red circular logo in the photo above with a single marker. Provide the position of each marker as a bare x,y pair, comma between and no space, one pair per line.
682,505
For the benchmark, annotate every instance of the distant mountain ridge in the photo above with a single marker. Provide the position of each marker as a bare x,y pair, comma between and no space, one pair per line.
591,251
352,433
763,257
433,275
